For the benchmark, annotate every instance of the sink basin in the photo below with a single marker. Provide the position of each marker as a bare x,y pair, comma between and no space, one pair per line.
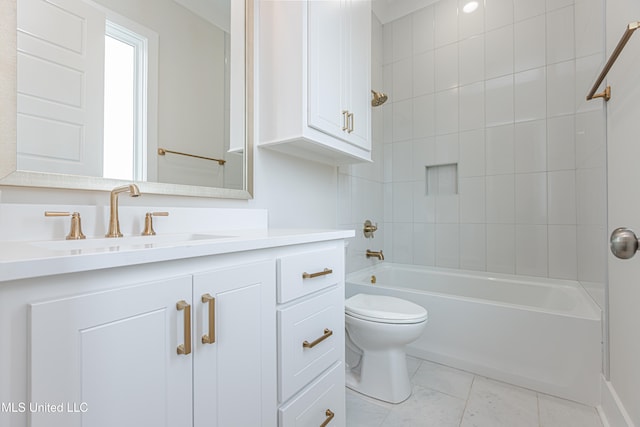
123,243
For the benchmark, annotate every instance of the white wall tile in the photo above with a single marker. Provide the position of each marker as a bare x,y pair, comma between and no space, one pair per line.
557,4
531,250
498,13
471,60
446,22
423,30
423,73
470,24
424,206
447,245
591,140
424,244
531,198
560,89
402,161
402,38
530,95
563,252
446,67
472,149
561,150
592,253
447,149
388,202
424,116
472,199
500,199
472,106
447,111
402,120
499,52
403,79
402,242
387,173
524,9
562,197
529,43
387,43
473,244
402,202
424,154
387,81
587,68
531,146
387,229
591,198
589,27
501,248
447,209
499,109
500,150
560,35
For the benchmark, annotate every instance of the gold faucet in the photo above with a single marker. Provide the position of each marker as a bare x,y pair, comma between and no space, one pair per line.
375,254
114,223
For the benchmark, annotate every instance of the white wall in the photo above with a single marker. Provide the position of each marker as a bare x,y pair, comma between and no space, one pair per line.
501,93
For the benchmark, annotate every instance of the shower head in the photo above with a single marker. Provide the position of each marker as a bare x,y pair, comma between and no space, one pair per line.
379,98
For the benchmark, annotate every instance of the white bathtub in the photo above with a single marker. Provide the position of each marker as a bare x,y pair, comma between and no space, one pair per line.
542,334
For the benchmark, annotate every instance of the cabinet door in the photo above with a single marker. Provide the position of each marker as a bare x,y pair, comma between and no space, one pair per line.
110,358
326,49
358,74
235,364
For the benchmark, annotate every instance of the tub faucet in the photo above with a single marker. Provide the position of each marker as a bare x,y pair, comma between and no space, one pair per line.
114,223
375,254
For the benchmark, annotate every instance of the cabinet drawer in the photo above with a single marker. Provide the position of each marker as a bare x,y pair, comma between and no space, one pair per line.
319,322
314,406
308,272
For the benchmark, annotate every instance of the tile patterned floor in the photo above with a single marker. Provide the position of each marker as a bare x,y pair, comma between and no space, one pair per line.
447,397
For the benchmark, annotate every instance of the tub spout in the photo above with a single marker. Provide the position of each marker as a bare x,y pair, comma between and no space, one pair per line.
375,254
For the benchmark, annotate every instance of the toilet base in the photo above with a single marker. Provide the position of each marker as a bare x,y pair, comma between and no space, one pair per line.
383,375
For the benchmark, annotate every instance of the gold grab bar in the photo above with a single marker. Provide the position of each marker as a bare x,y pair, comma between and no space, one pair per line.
186,347
163,151
329,414
326,271
606,94
210,338
327,334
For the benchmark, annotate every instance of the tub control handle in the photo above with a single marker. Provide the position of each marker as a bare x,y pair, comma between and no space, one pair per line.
624,243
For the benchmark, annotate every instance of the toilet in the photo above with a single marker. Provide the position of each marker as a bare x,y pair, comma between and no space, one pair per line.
378,329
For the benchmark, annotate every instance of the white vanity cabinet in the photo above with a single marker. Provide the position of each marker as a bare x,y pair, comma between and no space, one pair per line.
315,79
310,316
194,350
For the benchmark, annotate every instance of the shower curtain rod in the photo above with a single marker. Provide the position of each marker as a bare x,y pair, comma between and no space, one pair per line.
606,94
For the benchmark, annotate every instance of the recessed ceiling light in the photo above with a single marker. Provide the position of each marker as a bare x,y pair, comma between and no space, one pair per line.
470,7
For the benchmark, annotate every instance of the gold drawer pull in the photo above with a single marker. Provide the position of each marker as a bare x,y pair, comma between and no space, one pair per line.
210,338
327,334
329,416
345,120
186,347
326,271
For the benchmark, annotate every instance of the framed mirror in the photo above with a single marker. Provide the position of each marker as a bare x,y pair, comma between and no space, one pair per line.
102,92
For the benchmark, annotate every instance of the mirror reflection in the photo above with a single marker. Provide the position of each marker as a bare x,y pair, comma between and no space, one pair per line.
128,89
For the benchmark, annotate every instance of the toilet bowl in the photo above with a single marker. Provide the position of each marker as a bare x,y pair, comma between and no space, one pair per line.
378,329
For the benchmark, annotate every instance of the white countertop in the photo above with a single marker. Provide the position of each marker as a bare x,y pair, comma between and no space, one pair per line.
27,259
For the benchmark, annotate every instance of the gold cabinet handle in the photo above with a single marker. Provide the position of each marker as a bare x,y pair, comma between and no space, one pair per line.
329,414
326,271
351,122
210,338
327,334
186,347
345,120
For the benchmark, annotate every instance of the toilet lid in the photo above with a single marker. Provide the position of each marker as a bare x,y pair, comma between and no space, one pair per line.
384,309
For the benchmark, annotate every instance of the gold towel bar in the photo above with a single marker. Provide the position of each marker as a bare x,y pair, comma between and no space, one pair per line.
163,151
606,94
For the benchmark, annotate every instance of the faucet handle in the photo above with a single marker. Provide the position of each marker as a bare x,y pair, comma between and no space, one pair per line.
148,222
76,227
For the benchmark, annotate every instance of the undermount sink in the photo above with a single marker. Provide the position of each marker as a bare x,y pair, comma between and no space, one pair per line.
129,242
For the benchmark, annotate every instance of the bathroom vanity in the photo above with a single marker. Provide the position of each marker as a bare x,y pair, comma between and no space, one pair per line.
242,327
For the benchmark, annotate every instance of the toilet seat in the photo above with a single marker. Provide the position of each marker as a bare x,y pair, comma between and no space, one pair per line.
384,309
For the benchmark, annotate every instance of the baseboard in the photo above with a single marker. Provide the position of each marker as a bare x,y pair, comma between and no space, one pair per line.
611,411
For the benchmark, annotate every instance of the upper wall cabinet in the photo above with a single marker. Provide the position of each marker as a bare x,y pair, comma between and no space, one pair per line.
315,78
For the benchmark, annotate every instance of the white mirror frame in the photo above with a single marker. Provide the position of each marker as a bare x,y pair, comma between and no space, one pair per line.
10,176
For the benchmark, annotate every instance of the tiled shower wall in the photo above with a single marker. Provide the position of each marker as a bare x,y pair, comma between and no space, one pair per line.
501,93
